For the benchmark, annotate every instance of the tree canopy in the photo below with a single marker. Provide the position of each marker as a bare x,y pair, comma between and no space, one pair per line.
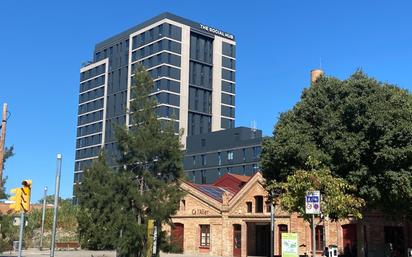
98,202
8,152
360,128
117,200
338,200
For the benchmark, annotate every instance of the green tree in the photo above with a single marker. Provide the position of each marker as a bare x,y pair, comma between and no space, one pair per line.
8,231
97,202
360,128
144,184
50,200
8,152
338,199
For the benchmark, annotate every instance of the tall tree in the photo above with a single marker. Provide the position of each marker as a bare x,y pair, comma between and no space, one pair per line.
360,128
144,184
150,150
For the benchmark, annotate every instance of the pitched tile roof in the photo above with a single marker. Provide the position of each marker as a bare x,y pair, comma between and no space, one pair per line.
229,183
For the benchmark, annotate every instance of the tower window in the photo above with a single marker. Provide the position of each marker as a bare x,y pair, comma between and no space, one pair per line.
230,155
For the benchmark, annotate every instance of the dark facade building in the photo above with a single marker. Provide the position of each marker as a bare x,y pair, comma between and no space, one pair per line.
193,67
210,156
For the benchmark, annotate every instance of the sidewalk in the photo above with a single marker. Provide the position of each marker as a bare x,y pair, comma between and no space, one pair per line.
79,253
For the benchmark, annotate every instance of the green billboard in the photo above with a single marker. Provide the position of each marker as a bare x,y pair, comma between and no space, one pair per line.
289,245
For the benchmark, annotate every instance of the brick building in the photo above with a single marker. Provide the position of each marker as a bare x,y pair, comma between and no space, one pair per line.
231,217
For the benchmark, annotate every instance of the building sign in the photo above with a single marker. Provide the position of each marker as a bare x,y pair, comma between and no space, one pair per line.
217,32
200,212
289,244
312,202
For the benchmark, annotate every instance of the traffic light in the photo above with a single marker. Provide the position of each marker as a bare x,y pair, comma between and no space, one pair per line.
16,206
25,195
21,197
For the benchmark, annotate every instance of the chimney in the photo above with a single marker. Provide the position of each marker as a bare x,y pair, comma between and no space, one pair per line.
315,74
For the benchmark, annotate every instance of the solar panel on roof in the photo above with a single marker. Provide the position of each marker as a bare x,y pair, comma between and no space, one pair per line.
212,191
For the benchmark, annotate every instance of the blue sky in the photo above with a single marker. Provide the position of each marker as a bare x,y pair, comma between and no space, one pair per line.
43,44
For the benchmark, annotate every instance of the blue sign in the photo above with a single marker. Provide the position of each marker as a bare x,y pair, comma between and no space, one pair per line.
312,198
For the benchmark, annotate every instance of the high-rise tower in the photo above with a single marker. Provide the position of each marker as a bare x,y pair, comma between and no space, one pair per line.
193,67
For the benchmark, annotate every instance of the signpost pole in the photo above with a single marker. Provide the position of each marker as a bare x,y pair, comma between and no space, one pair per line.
21,231
272,228
313,236
313,202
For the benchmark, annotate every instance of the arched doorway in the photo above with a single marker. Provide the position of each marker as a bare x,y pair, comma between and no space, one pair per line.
177,237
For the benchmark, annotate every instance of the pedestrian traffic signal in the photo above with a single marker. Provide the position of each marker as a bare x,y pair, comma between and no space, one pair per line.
26,192
16,197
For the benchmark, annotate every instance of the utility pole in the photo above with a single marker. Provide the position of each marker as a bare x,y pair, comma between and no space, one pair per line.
43,218
2,141
56,203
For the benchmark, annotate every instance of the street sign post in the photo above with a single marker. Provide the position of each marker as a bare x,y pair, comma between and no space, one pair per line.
312,206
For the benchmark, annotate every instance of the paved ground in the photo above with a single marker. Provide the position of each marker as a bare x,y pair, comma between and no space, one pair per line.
80,253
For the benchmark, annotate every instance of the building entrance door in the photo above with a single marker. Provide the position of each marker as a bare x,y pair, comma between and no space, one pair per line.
349,240
258,239
237,240
178,236
262,240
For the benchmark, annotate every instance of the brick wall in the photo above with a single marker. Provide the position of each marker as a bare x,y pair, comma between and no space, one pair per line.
221,216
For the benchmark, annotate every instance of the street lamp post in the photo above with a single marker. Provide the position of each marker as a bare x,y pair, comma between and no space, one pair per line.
274,194
43,216
56,203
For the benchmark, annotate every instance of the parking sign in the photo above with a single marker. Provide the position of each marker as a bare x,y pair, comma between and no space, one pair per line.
312,202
